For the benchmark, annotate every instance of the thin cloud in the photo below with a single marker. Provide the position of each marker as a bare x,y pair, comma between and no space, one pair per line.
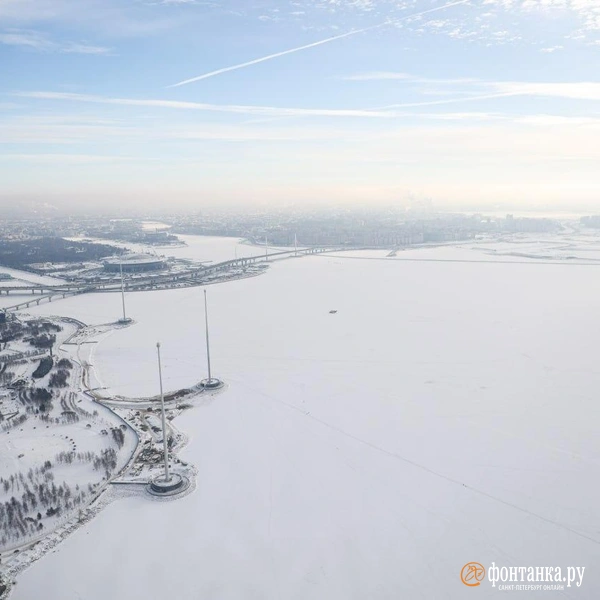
68,131
573,91
581,90
71,158
313,45
551,49
224,108
396,76
378,76
26,39
85,49
34,40
451,100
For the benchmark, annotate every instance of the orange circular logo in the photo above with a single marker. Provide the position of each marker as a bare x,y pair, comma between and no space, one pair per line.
472,574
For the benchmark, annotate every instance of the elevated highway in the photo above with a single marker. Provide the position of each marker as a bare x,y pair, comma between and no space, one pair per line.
194,276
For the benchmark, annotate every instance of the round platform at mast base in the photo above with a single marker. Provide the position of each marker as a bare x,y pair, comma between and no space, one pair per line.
211,384
176,484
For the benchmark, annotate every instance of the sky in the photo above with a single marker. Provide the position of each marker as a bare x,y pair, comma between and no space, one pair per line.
184,103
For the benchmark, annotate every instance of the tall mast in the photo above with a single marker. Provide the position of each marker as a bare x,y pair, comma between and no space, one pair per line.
295,245
207,342
122,291
164,420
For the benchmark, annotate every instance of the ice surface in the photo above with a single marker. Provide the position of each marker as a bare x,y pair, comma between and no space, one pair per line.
205,249
446,413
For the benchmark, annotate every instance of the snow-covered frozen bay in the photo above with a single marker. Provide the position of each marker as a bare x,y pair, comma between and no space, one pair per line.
446,413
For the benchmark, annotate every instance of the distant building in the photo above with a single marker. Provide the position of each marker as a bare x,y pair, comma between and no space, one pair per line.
514,224
156,236
124,225
134,263
591,221
5,276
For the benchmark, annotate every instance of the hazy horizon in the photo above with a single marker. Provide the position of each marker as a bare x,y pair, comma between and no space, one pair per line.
140,206
161,206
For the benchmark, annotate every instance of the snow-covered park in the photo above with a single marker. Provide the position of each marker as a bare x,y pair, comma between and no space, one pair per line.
446,413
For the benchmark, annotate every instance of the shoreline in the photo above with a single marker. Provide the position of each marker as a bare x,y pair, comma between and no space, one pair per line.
124,482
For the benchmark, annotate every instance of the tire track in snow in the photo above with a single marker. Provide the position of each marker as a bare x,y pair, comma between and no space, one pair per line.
436,473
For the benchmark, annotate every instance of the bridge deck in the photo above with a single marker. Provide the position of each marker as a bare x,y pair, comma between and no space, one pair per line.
50,292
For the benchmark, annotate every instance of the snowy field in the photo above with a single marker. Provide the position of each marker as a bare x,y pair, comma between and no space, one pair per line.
212,249
55,454
204,249
446,413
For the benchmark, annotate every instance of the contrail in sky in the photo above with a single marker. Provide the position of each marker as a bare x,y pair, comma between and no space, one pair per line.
307,46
